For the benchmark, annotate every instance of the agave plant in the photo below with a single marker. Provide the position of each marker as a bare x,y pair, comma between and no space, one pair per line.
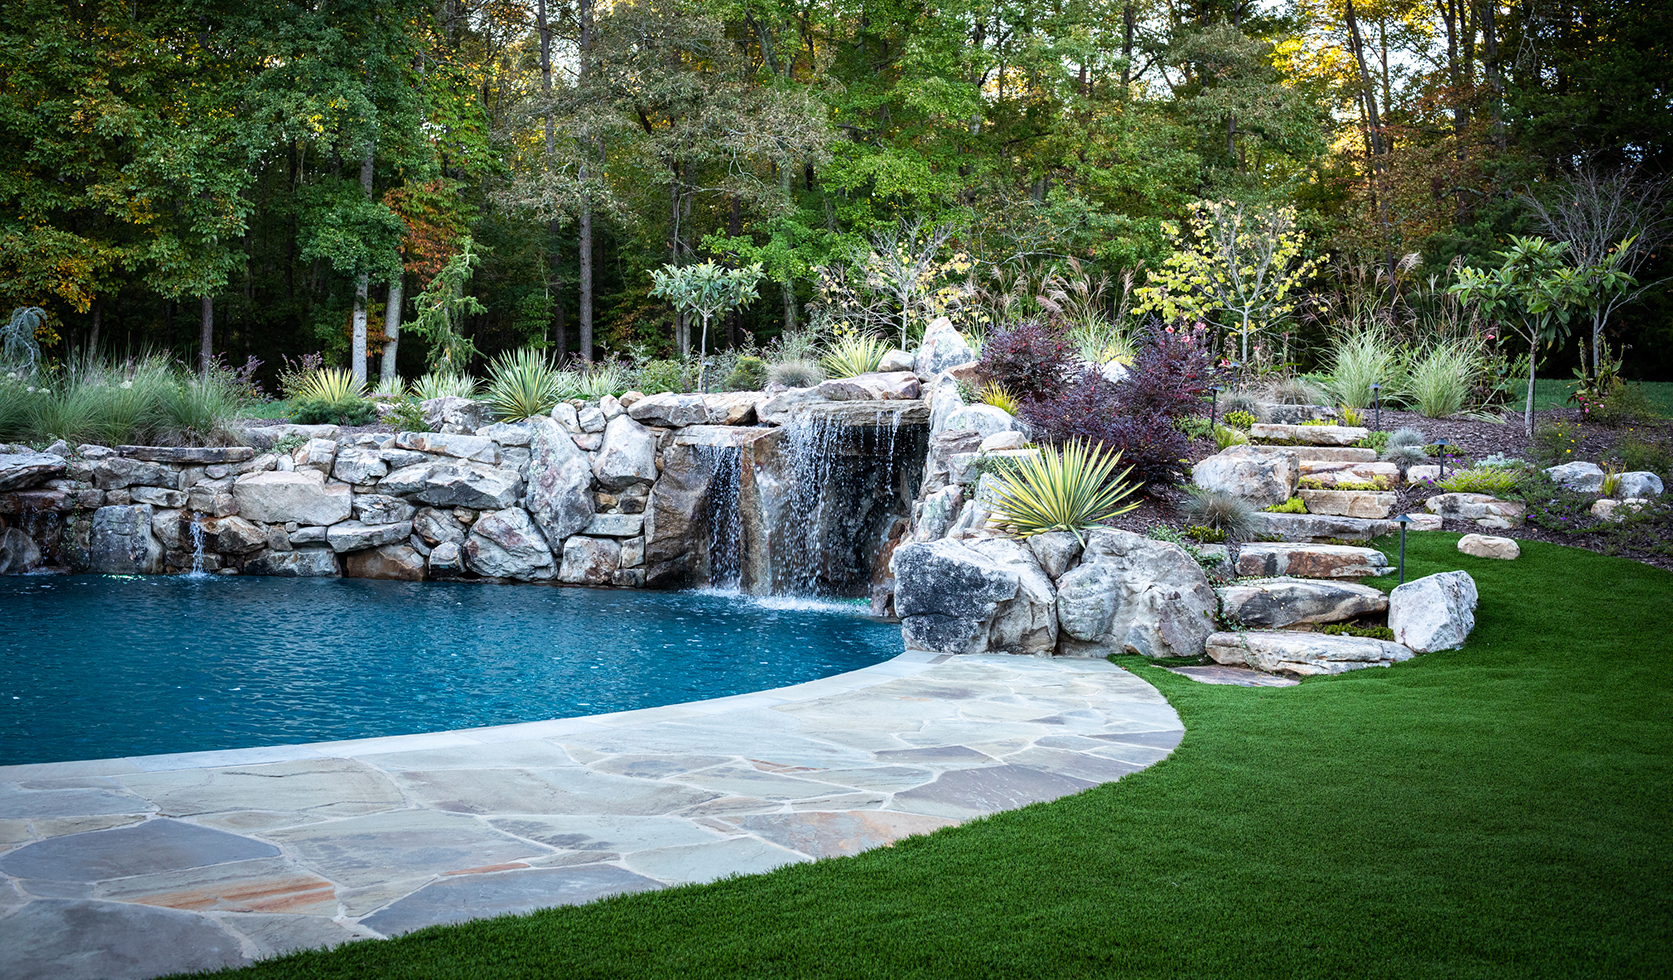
855,354
331,385
1068,489
523,384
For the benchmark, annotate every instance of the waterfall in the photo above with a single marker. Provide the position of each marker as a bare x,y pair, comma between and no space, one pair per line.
815,445
197,550
726,527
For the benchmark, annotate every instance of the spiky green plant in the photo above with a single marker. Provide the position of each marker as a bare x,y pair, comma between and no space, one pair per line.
1366,357
523,384
1226,437
1405,448
854,354
441,384
1068,489
331,385
1220,511
603,378
1439,381
999,397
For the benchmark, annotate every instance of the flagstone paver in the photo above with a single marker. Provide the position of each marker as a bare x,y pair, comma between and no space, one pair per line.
142,866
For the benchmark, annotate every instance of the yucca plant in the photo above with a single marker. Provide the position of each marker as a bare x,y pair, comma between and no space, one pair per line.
441,384
999,397
603,378
854,354
523,384
1068,489
331,385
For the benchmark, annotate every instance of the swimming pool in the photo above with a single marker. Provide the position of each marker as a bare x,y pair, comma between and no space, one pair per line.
97,667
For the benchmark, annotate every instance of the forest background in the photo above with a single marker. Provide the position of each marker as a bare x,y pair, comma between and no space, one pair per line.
266,172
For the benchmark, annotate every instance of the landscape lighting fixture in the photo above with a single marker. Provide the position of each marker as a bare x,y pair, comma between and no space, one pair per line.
1377,402
1403,520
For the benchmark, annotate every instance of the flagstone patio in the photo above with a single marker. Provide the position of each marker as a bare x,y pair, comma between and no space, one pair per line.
142,866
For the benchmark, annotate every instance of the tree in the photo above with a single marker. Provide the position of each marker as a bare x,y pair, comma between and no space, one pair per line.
442,309
1232,264
1537,292
707,290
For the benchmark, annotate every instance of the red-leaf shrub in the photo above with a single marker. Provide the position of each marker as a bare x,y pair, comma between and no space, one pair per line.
1031,360
1171,373
1092,408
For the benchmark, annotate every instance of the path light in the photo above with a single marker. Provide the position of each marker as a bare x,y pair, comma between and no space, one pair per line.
1377,401
1403,520
1440,449
1213,405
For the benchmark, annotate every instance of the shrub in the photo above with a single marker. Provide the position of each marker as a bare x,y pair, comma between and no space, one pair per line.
999,397
1374,440
523,384
1218,510
294,373
1240,403
1091,410
1636,453
653,377
1225,438
1481,479
1350,416
1063,490
1294,505
1625,404
406,416
1206,535
1194,427
319,411
1553,506
1439,382
854,354
798,373
749,375
1361,359
1557,442
603,378
1405,448
1239,419
195,411
1031,359
1348,629
1171,374
444,385
1296,391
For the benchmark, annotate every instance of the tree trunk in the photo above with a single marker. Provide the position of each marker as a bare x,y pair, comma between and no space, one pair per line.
93,333
734,227
584,13
357,357
553,228
206,334
391,331
1485,19
1126,48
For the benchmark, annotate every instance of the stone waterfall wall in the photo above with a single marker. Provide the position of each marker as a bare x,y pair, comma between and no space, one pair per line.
615,493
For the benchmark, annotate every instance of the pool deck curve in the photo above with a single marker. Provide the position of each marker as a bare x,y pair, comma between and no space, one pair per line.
136,867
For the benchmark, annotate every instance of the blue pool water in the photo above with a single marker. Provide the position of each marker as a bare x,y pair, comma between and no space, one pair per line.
96,667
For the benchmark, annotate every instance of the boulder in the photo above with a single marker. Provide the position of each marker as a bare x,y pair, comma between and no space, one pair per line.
1004,440
158,497
730,407
1305,654
633,553
1330,473
1423,522
947,594
18,552
360,465
1616,510
1482,508
875,386
671,409
379,508
1262,478
275,498
944,401
1279,602
446,559
316,454
401,458
117,473
984,419
214,501
1056,551
232,535
301,563
1027,623
968,468
936,513
1436,612
507,544
437,527
509,433
1487,546
306,535
563,413
897,360
354,536
1308,435
590,418
1371,504
470,485
943,348
455,416
121,542
473,448
1114,372
558,496
1578,476
628,455
202,455
943,446
396,562
675,528
49,500
616,525
262,437
589,561
1330,454
1132,593
1271,559
1640,483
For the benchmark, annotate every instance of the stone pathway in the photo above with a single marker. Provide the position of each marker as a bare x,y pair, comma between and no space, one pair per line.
141,866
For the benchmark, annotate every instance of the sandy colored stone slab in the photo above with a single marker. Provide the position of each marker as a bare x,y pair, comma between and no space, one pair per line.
264,885
1268,559
1234,676
1333,454
1308,435
293,786
1369,504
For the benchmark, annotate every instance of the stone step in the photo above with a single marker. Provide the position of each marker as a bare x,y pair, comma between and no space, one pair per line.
1332,454
1484,509
1349,503
1309,435
1281,602
1331,473
1312,527
1271,559
1306,654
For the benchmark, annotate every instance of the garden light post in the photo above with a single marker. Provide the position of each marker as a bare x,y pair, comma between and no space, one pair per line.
1213,405
1403,520
1377,403
1440,450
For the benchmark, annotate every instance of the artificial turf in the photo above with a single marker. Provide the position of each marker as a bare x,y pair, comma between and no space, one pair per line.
1498,811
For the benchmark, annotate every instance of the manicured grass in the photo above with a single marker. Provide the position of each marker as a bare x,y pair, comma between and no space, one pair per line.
1501,811
1554,392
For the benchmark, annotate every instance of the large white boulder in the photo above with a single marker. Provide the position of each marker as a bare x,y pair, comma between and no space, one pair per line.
1579,476
1262,478
1305,654
589,561
472,485
1640,483
985,419
1282,602
557,498
628,455
1132,593
949,597
274,497
1436,612
506,544
943,348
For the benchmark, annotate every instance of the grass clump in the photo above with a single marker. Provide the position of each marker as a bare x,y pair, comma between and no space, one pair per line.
150,400
1482,479
999,397
443,384
1363,358
1405,448
796,373
1068,489
1440,379
1218,511
1225,437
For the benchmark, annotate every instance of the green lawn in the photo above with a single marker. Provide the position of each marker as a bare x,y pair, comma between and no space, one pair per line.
1501,811
1554,392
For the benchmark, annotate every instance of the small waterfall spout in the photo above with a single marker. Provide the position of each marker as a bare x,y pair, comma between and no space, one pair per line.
725,519
197,550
